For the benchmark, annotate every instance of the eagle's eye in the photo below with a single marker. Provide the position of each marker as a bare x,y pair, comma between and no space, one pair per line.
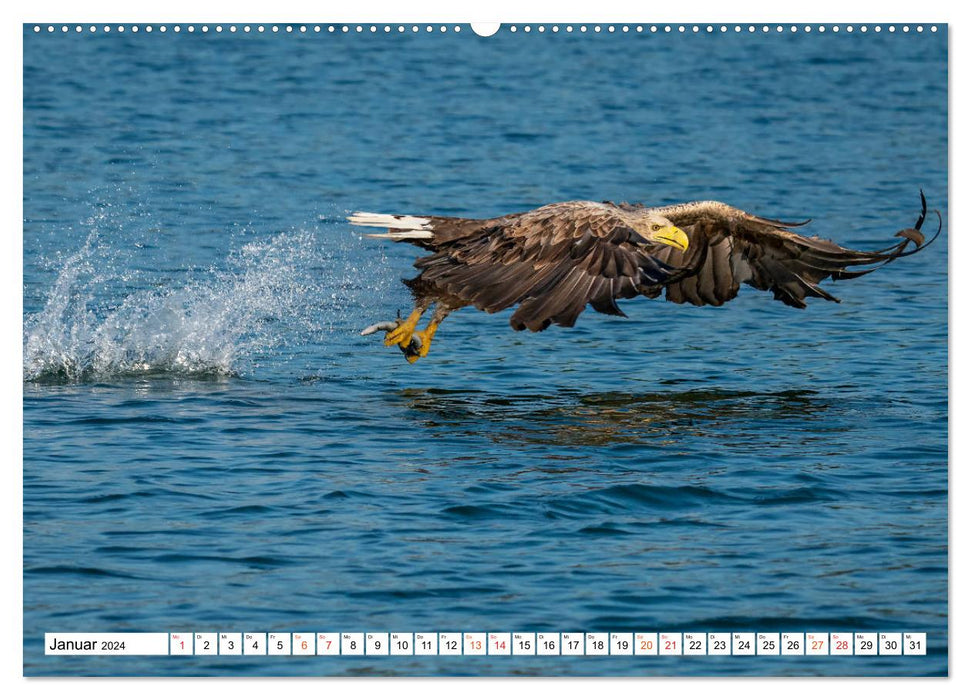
656,227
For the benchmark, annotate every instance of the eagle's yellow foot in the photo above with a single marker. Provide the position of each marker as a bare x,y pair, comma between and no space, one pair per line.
421,343
401,336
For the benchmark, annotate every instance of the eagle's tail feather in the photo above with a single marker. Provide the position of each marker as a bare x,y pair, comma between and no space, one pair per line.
400,227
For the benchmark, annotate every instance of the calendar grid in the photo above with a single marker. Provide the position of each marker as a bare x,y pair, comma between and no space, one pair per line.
373,644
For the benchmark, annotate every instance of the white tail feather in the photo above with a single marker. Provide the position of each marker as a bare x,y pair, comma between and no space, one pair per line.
408,227
410,223
401,235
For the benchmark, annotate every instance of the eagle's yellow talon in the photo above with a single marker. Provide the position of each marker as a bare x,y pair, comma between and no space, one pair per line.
421,343
425,338
401,336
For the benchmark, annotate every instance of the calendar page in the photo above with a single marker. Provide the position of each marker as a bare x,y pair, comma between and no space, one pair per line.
548,349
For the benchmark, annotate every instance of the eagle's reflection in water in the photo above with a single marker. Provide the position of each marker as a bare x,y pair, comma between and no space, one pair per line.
659,418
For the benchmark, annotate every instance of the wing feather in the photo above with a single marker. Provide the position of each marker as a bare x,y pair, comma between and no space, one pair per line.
763,253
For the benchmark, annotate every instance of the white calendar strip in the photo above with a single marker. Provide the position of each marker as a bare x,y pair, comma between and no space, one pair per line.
487,644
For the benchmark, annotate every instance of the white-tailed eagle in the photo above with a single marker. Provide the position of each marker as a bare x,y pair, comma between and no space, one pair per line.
553,261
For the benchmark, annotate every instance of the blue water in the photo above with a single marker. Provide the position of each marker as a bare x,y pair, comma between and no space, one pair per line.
209,444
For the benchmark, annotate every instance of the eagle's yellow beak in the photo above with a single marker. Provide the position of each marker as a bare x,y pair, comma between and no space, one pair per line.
672,236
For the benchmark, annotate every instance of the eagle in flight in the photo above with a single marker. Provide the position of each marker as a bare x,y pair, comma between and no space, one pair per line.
553,261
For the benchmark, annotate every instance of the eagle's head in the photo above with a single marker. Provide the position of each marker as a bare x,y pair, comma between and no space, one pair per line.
657,229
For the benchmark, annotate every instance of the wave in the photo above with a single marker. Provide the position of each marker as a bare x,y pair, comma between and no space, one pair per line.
203,327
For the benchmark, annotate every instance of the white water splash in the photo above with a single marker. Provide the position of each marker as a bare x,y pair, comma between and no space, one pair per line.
266,291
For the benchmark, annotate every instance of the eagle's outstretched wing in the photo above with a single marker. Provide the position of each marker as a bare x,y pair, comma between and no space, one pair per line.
729,247
552,261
